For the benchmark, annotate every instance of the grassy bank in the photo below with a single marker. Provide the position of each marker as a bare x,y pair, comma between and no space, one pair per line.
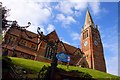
36,66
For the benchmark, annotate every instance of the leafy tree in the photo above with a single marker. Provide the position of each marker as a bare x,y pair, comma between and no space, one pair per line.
3,14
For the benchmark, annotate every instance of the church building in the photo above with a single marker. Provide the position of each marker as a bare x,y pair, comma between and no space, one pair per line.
25,44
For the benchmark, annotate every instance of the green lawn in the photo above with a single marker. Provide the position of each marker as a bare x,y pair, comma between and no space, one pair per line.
36,66
29,64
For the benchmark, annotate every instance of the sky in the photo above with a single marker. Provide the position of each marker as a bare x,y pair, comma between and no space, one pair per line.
119,40
67,18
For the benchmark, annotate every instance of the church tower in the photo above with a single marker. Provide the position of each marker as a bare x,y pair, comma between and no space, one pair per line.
91,44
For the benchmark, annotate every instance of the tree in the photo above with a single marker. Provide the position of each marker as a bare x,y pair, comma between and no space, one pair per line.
3,14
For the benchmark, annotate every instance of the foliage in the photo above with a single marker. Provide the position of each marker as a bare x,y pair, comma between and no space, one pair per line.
4,12
6,62
77,73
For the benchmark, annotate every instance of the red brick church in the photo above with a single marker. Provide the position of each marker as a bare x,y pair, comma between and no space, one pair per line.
18,44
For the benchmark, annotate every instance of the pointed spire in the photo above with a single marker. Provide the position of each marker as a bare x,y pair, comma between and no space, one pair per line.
88,19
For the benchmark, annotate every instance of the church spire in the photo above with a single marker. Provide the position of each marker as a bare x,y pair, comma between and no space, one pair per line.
88,19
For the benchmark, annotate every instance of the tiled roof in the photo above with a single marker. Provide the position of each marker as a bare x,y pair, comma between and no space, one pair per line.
21,49
70,49
52,36
18,32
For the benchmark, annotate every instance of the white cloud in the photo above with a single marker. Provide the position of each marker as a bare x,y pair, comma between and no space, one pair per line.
66,42
82,0
69,19
80,5
110,46
25,11
50,28
60,17
67,7
72,7
66,20
75,36
112,67
63,40
105,10
38,13
95,6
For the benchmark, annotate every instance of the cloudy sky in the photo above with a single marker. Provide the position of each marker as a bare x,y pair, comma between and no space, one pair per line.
67,18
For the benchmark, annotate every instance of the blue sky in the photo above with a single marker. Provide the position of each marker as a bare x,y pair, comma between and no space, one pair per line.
67,18
118,40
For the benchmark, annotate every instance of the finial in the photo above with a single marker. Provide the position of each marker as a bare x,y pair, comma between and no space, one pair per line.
87,8
96,26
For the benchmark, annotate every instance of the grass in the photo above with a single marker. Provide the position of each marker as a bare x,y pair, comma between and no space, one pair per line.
93,73
29,64
36,66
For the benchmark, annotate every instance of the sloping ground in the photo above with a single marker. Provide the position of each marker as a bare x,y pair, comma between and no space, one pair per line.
36,66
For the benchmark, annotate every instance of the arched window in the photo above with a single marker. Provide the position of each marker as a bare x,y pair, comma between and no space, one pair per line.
49,52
